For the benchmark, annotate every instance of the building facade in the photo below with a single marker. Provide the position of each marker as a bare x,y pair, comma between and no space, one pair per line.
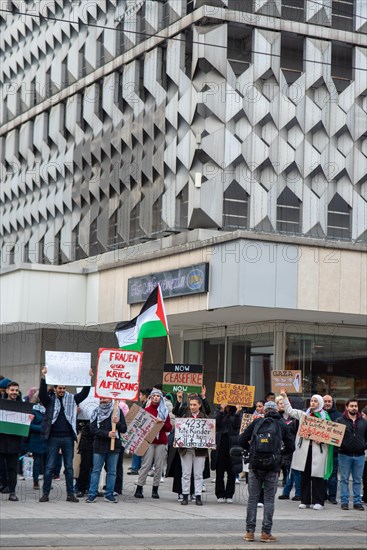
139,137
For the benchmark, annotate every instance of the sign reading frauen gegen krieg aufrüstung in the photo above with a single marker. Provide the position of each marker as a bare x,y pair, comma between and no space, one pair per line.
176,282
118,374
194,433
182,377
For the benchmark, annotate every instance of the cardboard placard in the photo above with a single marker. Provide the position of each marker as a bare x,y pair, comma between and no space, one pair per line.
182,377
142,428
197,433
118,374
290,380
234,394
322,431
88,405
67,368
246,421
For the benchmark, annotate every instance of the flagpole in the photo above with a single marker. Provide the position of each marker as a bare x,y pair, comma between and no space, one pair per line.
170,347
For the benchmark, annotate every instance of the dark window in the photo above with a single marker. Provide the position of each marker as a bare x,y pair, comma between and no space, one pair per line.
291,56
338,218
182,206
293,10
235,207
342,14
114,238
341,65
100,51
136,232
158,224
188,53
288,212
239,48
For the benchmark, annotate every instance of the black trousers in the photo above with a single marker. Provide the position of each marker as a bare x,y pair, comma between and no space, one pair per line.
86,465
312,488
11,461
119,473
224,464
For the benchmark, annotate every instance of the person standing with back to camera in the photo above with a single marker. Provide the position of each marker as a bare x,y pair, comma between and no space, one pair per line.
313,459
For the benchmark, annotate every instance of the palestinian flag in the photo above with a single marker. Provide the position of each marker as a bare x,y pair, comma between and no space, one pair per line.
14,417
150,323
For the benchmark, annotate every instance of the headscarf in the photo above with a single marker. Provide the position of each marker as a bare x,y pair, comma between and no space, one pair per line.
324,415
320,408
162,407
102,412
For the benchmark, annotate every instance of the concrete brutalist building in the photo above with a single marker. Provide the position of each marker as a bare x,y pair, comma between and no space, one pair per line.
217,146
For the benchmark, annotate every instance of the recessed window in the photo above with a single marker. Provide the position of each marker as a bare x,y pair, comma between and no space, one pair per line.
338,218
239,48
182,206
235,207
136,232
342,15
341,65
293,10
288,212
291,56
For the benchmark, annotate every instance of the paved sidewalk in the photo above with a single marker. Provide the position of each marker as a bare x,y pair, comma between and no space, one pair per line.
164,524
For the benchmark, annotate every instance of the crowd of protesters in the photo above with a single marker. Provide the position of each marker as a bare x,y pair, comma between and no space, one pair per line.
311,467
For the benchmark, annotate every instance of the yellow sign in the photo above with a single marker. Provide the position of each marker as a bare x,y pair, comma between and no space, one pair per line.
234,394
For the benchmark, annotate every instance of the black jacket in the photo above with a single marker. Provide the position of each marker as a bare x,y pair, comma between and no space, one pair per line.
287,438
102,443
355,437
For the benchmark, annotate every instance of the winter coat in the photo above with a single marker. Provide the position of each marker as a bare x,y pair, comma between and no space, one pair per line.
162,438
35,443
102,443
319,451
226,425
355,437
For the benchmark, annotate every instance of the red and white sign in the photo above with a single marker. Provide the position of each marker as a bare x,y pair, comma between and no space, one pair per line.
118,374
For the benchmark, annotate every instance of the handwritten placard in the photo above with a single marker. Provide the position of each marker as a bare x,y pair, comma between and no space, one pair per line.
197,433
182,377
67,368
246,421
322,431
142,428
290,380
234,394
118,374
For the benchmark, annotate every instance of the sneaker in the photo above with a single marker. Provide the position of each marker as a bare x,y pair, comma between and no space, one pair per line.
13,497
133,472
72,498
193,497
110,498
162,480
237,482
44,498
57,478
260,505
296,497
355,507
204,488
90,500
318,507
265,537
229,500
180,497
344,507
303,506
333,501
212,480
81,494
249,536
283,497
221,500
36,486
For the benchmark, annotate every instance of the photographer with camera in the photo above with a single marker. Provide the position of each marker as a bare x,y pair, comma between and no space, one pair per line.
264,437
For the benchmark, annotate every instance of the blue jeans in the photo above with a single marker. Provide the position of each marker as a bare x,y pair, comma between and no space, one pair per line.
350,465
136,462
54,444
269,481
294,476
99,459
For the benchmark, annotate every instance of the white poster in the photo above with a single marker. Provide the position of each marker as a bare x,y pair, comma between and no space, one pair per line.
88,405
196,433
67,368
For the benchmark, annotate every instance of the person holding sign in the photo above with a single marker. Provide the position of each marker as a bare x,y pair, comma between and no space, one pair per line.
59,429
101,427
157,450
313,459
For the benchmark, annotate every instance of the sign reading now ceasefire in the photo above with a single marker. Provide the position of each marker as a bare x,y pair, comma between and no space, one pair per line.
118,374
178,377
234,394
322,431
197,433
290,380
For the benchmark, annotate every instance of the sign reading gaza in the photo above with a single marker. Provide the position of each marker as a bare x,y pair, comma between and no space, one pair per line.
177,282
187,378
118,374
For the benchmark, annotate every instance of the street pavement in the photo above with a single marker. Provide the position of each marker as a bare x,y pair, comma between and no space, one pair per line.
164,524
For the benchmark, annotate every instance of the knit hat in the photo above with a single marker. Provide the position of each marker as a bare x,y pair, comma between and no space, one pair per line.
270,406
4,382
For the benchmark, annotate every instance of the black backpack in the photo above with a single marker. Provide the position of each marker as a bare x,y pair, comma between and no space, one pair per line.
266,444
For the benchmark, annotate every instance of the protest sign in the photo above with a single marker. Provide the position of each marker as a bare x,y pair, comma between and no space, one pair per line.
186,378
234,394
290,380
88,405
142,428
15,417
118,374
67,368
197,433
322,431
246,421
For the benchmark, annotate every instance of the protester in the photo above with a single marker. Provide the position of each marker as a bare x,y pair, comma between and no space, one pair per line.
157,450
59,430
36,445
101,427
351,454
264,469
228,423
364,478
181,407
136,460
10,446
259,409
85,449
331,484
124,408
270,397
290,476
314,460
